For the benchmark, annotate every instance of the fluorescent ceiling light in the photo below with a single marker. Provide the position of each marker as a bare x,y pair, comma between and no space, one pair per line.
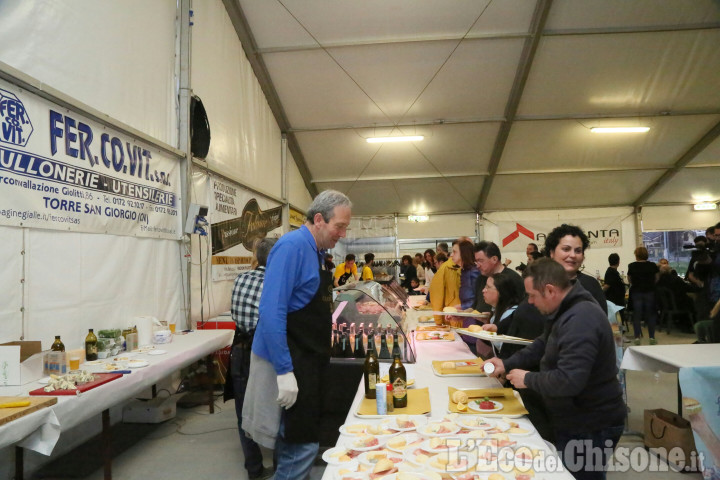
620,129
404,138
418,218
705,206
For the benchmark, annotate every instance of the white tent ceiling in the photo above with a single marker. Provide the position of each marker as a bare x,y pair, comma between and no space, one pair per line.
505,93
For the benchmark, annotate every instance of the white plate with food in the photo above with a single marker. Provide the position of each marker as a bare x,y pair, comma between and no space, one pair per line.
400,443
338,456
124,356
343,473
436,445
406,423
409,475
371,458
518,428
353,429
157,352
485,405
364,443
475,422
137,363
452,461
439,428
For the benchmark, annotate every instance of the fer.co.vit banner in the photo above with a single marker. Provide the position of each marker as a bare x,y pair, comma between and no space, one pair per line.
62,171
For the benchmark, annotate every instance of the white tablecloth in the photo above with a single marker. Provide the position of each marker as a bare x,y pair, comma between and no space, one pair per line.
39,431
671,358
427,351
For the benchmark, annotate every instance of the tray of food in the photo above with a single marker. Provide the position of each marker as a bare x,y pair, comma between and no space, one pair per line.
434,336
504,402
458,368
477,332
75,383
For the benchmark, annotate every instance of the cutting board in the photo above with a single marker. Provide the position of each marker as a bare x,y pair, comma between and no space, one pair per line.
100,379
10,414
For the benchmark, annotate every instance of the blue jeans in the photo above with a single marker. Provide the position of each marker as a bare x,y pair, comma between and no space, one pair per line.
586,454
644,308
240,371
294,460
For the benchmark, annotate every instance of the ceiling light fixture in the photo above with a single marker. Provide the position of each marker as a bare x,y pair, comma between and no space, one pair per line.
619,129
404,138
418,218
705,206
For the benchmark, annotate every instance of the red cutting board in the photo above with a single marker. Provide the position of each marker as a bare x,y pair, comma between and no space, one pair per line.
100,379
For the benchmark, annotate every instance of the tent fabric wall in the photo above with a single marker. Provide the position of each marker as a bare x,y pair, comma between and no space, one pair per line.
246,140
298,195
78,281
11,259
445,226
97,51
679,217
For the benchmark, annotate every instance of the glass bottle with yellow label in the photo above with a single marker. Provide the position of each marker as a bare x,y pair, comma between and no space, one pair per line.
398,380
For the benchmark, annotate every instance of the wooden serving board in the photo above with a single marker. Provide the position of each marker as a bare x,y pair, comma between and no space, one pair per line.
10,414
100,379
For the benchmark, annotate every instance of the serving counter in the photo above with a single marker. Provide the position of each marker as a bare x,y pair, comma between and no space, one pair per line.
425,377
39,431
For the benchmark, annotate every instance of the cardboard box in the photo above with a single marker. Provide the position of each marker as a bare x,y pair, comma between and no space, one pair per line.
20,362
156,410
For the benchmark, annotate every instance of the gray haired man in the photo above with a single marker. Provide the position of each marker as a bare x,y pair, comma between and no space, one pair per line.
291,349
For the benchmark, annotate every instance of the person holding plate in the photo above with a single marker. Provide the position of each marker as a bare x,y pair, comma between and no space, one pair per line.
577,371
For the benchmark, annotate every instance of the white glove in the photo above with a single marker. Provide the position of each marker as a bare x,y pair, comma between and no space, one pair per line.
287,390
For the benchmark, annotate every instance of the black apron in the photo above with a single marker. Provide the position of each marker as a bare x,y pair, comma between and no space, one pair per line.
343,279
308,335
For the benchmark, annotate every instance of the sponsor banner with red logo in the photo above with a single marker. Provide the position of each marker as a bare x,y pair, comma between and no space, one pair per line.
605,232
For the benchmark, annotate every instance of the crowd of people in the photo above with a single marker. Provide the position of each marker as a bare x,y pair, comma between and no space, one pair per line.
655,288
567,376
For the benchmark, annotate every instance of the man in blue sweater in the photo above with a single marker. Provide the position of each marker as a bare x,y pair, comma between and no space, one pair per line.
577,375
291,347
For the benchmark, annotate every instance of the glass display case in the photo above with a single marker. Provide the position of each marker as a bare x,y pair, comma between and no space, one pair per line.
366,310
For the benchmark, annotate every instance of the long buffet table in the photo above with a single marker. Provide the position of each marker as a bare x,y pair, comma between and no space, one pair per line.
424,376
40,430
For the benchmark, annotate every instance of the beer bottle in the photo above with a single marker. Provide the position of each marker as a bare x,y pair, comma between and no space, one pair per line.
347,348
384,352
91,348
336,348
359,348
57,345
396,345
371,370
398,380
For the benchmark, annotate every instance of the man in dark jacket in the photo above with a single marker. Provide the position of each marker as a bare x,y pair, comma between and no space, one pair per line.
577,375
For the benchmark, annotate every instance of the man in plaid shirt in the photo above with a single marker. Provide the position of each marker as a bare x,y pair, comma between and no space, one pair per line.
245,302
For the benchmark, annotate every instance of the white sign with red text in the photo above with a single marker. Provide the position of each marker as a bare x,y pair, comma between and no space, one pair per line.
603,232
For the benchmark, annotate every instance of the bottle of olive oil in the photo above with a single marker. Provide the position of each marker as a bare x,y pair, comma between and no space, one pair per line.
91,347
398,380
57,345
